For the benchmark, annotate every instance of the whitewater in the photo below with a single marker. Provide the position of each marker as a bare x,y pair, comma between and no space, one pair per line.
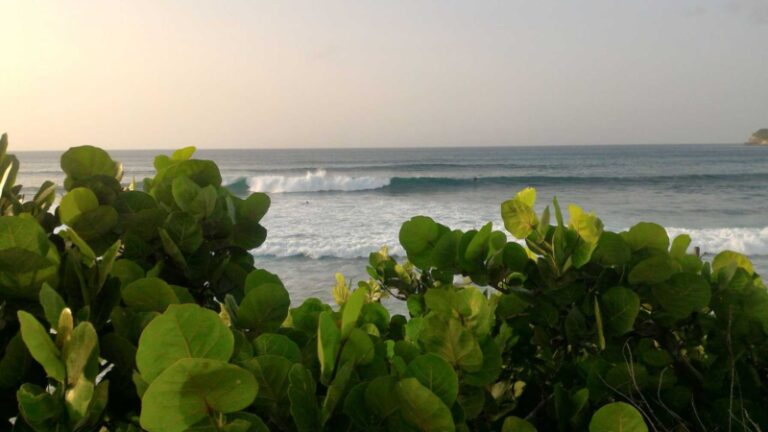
332,208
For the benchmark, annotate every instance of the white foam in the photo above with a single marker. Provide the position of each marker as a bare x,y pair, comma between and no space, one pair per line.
314,181
356,244
750,241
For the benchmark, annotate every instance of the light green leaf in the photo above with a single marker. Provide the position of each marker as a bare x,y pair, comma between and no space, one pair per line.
617,417
680,246
419,237
518,214
340,290
727,258
587,225
76,202
41,346
328,343
87,161
184,153
647,235
193,389
351,311
183,331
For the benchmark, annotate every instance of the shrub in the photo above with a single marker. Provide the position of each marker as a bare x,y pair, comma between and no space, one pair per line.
129,309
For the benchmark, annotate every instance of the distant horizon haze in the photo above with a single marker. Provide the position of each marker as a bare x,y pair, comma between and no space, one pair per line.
366,74
204,148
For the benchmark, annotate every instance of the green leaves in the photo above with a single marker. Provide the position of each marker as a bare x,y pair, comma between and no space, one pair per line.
419,236
683,294
156,294
423,409
437,375
617,417
149,294
647,235
731,259
193,389
328,344
183,331
82,162
302,392
76,202
611,250
192,199
518,213
449,339
41,346
265,305
516,424
619,306
351,311
653,270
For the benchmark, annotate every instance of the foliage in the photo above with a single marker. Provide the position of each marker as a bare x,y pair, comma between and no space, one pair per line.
762,134
127,309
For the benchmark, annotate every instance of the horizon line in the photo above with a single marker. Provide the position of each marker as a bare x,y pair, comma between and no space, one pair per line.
426,147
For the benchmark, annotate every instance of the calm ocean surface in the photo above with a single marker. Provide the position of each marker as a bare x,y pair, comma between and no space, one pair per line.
331,208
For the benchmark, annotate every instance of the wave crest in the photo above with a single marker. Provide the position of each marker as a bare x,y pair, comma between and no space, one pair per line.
314,181
321,181
750,241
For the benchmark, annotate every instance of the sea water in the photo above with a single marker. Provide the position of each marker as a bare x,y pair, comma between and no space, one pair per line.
333,207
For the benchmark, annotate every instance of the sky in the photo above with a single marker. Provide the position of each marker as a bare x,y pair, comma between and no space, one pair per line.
411,73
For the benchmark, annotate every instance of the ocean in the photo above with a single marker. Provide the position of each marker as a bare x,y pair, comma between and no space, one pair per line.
332,207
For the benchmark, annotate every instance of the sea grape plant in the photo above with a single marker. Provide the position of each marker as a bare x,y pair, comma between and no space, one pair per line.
137,306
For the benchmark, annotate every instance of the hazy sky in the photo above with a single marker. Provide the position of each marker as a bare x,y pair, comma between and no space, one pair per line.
161,74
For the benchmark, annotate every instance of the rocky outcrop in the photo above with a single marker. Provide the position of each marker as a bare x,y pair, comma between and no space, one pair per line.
759,138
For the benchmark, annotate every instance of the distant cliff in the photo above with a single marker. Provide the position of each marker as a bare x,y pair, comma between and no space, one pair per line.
759,138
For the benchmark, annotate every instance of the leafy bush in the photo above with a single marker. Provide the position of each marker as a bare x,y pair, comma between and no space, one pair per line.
129,309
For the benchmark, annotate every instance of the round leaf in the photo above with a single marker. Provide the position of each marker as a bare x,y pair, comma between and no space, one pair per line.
611,250
193,389
436,374
647,235
652,270
518,214
183,331
422,408
264,308
516,424
76,202
149,294
279,345
418,237
86,161
617,417
620,307
683,294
